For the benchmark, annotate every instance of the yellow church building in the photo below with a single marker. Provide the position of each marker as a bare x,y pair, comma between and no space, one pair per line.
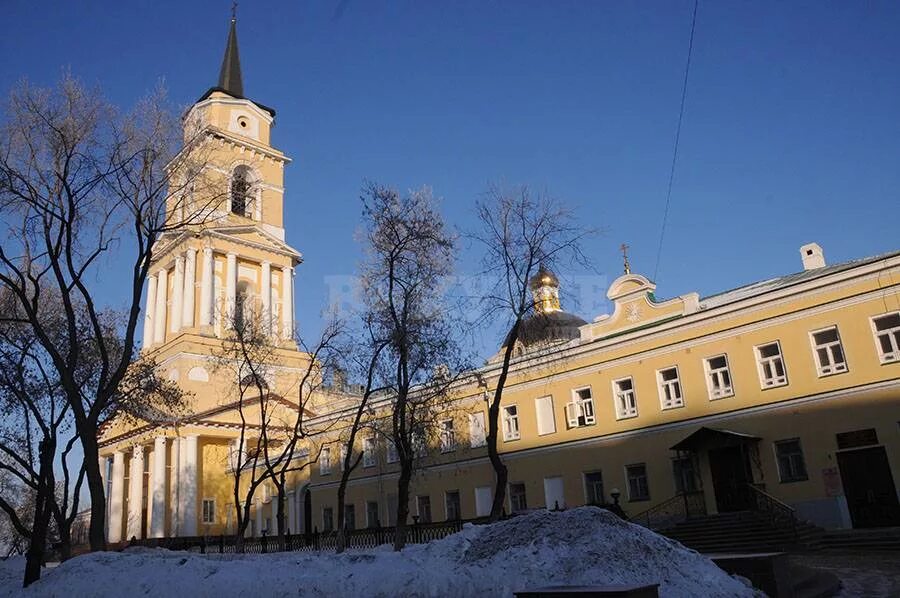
787,389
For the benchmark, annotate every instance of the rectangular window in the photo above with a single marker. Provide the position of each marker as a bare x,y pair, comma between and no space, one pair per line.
683,471
419,442
484,498
517,500
718,377
392,456
546,423
887,337
554,493
580,412
372,518
349,517
828,351
638,488
343,456
771,365
791,466
209,510
669,388
369,455
325,461
448,436
510,423
451,504
624,397
593,488
477,436
327,519
423,508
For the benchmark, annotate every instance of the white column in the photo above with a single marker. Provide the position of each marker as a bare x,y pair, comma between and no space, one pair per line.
103,462
135,494
265,294
287,301
189,486
175,488
117,496
190,279
158,490
291,525
259,517
150,307
206,288
159,314
177,294
230,289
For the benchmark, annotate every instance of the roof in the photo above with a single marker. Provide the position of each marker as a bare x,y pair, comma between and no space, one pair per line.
230,74
713,438
772,284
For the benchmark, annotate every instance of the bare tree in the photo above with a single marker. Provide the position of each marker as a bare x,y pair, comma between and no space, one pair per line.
409,254
273,427
367,359
79,183
520,232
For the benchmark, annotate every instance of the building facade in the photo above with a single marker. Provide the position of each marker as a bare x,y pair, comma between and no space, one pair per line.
790,386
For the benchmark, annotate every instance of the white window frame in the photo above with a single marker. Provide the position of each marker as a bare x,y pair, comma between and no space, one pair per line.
584,483
711,373
646,482
325,461
782,479
833,367
509,496
760,366
510,434
326,508
892,334
343,452
580,411
203,512
448,436
477,429
369,452
369,522
392,456
419,497
618,397
447,494
661,386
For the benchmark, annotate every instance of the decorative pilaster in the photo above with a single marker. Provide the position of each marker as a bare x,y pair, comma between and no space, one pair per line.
189,484
158,489
149,308
135,494
265,294
177,294
159,314
206,288
287,301
230,289
190,281
175,488
259,517
116,498
290,523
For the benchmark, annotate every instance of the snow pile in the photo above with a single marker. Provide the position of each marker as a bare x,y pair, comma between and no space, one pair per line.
584,546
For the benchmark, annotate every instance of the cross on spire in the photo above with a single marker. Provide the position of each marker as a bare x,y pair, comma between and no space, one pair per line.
230,74
234,6
624,249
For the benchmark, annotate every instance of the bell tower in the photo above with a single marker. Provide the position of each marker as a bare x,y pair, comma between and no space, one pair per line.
230,253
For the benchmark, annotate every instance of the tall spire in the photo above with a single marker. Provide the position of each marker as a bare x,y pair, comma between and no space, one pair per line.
230,73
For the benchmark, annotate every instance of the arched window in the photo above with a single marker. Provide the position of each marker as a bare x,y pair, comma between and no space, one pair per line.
240,191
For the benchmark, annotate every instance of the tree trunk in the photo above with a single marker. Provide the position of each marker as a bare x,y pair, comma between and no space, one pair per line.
280,525
501,474
97,529
402,503
341,501
34,557
65,540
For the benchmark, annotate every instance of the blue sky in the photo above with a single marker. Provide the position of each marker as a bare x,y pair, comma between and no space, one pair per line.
791,131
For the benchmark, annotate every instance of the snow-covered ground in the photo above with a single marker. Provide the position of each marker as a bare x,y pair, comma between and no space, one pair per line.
581,546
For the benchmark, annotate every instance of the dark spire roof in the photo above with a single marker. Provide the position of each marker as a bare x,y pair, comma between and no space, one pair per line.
230,73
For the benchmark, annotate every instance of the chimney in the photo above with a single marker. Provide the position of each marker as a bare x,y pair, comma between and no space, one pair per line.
813,256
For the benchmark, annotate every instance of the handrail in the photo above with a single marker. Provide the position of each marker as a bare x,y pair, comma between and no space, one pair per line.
673,510
777,510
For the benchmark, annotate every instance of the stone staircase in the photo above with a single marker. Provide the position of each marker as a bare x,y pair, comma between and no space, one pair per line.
743,532
886,539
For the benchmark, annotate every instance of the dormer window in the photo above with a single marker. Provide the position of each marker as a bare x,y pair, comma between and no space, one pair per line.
240,191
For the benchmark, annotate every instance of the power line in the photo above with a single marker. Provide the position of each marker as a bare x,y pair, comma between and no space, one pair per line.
687,70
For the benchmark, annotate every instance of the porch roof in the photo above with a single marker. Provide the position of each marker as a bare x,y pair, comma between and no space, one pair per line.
713,438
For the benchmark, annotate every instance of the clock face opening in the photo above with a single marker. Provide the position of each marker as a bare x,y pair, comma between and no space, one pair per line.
243,122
